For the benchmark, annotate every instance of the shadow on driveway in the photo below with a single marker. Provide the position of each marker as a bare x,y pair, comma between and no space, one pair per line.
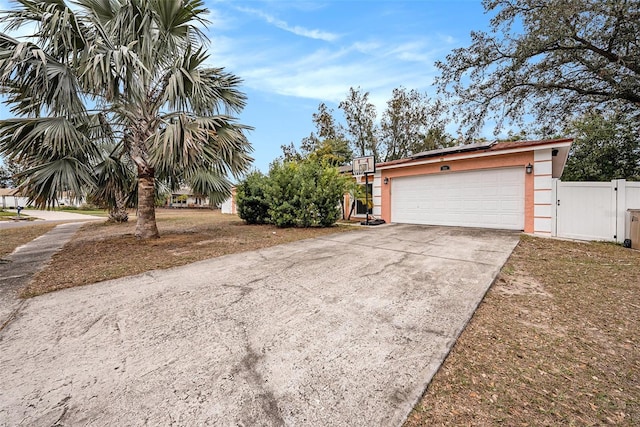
346,329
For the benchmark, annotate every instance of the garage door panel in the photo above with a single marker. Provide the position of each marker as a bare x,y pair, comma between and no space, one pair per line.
489,198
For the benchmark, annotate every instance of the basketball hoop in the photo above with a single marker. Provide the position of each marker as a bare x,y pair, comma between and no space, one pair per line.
363,166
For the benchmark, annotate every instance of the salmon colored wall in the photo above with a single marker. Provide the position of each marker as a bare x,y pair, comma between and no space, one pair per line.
477,163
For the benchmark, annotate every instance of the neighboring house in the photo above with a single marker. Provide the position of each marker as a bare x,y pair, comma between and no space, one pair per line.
505,185
10,198
184,198
229,205
69,199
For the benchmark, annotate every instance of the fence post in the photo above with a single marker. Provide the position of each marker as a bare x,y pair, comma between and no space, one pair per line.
621,209
554,206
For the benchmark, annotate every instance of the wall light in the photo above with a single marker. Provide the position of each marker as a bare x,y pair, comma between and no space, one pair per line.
529,168
386,180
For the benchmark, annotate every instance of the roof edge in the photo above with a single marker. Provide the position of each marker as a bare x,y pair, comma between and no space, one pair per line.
493,148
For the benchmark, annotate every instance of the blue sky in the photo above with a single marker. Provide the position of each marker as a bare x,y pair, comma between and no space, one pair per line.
292,55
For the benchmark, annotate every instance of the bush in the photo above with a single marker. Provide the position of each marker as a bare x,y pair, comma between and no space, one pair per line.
250,199
294,194
304,194
329,193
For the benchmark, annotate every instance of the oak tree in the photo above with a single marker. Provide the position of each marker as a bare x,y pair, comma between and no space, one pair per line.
553,59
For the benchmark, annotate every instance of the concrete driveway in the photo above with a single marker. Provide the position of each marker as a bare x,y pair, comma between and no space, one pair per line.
346,329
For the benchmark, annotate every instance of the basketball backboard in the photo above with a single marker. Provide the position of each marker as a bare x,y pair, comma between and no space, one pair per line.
364,165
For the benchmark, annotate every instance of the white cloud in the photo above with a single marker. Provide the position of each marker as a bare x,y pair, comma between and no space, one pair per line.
298,30
326,74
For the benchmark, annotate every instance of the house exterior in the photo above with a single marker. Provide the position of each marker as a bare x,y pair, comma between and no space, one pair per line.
505,185
10,198
229,205
184,198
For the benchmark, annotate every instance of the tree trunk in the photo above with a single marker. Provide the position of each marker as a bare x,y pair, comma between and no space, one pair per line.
353,206
146,227
118,213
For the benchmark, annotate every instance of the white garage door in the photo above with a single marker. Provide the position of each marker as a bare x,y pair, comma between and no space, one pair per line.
492,198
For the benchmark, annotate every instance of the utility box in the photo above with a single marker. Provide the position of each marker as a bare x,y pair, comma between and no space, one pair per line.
634,228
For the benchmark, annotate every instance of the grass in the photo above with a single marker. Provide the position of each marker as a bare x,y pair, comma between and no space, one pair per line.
5,214
9,216
101,251
86,211
11,238
554,342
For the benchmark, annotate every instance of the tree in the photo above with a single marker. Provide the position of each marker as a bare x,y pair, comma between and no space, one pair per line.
250,199
326,125
128,72
605,147
115,179
5,177
329,145
410,124
569,56
10,174
332,152
360,116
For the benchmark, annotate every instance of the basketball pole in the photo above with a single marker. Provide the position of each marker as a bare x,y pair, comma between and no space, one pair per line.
366,195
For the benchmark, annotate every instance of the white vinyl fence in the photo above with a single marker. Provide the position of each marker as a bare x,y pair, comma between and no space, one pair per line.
594,210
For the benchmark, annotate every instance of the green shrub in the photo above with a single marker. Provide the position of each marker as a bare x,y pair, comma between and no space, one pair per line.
294,194
304,194
281,194
330,192
250,199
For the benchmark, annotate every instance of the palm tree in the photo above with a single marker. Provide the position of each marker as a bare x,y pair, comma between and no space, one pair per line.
126,73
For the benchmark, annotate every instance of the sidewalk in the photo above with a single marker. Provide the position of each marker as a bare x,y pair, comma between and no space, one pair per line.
50,215
19,267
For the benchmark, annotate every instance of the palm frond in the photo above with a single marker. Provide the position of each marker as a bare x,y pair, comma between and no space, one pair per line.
115,178
205,91
46,182
189,143
45,138
211,184
36,82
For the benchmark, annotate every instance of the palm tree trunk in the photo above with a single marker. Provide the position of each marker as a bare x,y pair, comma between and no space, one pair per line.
146,227
118,213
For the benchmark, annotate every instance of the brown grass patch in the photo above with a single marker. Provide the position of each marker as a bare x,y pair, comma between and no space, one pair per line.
555,342
11,238
101,251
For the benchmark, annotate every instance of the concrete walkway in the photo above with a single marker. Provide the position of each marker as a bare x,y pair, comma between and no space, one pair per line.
343,330
17,269
49,216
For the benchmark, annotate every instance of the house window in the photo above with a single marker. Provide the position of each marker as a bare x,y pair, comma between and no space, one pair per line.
360,206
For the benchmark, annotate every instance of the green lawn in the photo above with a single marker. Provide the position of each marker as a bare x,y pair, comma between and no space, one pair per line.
86,211
8,216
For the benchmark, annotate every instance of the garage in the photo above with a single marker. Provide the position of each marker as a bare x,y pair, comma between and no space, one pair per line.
490,198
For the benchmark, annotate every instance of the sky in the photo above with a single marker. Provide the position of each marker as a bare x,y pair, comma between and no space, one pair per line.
293,55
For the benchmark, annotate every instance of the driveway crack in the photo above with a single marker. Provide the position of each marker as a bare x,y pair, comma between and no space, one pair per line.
249,365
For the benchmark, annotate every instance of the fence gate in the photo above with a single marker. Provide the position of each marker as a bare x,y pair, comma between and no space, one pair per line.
586,210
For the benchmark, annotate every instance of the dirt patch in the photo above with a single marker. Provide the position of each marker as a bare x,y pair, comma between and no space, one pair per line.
102,251
555,342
